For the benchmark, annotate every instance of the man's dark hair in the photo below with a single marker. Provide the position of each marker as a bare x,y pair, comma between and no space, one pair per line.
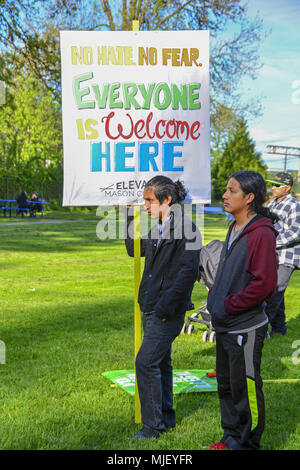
253,182
163,187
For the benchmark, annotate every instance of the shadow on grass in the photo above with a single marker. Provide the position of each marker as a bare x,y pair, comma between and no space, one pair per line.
190,404
95,335
281,396
282,416
53,238
98,317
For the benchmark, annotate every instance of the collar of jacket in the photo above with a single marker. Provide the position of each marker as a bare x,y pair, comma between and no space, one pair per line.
256,222
168,228
283,200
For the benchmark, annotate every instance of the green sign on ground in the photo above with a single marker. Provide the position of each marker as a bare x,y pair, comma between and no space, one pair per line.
184,381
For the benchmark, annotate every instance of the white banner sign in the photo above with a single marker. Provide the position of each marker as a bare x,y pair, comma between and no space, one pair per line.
135,105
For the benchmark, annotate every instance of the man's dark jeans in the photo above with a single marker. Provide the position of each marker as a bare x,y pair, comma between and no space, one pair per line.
154,371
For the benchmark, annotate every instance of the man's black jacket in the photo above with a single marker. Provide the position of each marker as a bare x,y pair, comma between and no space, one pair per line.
171,267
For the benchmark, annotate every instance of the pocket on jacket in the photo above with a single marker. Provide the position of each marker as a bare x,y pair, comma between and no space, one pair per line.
220,314
216,307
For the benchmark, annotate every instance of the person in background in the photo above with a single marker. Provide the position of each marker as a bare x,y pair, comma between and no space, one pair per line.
287,209
22,201
171,269
33,206
245,278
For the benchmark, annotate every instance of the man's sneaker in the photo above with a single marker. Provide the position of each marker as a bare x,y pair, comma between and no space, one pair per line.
147,433
218,446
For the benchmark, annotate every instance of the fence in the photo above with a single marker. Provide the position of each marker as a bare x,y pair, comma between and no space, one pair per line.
11,187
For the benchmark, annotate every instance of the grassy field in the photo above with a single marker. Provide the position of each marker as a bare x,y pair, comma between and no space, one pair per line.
67,316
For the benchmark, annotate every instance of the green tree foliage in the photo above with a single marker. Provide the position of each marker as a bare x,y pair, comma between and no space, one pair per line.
239,154
30,134
28,40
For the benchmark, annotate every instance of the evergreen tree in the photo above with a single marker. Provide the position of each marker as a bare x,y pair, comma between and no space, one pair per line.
239,154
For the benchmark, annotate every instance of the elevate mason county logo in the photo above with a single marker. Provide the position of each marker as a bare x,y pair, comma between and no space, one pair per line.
132,188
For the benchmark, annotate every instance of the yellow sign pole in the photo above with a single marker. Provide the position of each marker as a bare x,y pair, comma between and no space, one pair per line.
137,279
137,312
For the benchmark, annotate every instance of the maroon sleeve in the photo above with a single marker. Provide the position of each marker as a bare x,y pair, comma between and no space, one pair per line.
262,264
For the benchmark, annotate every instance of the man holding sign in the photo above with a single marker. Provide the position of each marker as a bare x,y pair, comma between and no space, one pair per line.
130,113
171,250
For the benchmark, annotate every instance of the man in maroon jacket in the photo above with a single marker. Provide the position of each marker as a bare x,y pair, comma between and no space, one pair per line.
246,277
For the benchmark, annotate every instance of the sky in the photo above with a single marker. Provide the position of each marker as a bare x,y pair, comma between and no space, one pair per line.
278,82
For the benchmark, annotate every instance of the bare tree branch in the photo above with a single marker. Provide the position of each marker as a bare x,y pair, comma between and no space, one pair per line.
107,11
174,13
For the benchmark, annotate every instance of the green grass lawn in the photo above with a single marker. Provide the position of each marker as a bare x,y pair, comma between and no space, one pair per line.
78,322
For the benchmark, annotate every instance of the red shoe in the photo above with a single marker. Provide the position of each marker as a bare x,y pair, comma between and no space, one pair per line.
211,374
218,446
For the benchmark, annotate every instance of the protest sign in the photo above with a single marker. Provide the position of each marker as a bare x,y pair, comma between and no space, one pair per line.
135,104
